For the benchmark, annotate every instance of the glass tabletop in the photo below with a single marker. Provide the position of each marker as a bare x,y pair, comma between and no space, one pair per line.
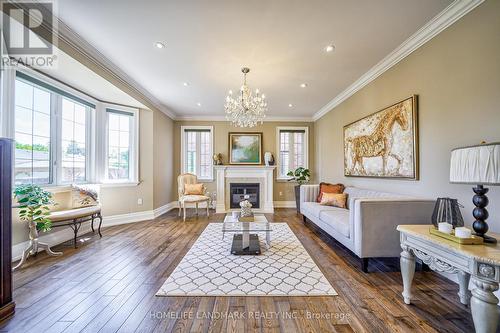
246,226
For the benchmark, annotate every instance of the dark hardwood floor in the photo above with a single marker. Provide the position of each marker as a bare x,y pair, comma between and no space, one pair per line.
108,285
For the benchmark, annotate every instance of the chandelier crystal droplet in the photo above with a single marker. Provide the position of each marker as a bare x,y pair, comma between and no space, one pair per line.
247,108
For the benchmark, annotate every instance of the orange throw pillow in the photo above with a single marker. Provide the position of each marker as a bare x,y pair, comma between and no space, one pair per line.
329,188
334,199
193,189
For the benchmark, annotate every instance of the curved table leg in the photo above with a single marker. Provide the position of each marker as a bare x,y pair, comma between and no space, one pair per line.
99,227
407,271
26,254
483,306
49,251
463,282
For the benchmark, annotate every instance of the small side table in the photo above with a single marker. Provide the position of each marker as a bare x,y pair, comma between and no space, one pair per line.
481,262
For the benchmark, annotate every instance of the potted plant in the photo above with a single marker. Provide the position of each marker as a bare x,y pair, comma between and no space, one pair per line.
301,176
33,202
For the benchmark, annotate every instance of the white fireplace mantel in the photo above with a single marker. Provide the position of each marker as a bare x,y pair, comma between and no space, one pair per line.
261,172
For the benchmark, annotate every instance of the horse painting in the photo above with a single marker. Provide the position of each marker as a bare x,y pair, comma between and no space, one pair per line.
383,144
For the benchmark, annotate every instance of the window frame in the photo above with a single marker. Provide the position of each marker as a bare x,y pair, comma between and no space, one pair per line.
89,175
96,129
184,129
58,91
279,129
133,144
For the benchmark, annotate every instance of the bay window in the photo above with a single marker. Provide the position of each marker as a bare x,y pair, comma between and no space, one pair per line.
121,146
292,149
63,136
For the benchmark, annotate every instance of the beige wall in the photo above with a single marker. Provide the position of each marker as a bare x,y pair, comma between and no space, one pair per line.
457,78
221,130
163,152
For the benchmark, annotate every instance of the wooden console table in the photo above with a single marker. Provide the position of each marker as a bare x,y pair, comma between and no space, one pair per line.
481,262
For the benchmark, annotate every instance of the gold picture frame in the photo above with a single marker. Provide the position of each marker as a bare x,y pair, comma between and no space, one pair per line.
245,148
384,144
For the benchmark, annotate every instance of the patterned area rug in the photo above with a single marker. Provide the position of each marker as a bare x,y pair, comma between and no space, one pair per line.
209,269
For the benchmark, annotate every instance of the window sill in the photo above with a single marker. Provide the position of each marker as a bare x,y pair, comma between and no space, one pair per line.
67,188
119,184
285,180
57,188
206,180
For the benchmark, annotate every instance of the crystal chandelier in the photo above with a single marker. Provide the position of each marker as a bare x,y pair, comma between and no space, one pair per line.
246,109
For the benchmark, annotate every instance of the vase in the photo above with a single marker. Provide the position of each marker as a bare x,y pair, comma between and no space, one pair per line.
297,198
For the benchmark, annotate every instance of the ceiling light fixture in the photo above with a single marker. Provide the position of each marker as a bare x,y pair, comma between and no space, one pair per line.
290,105
303,85
199,104
185,84
330,48
160,45
246,109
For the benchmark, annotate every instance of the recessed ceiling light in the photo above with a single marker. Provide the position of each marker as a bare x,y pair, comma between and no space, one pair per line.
303,85
185,84
290,105
330,48
160,45
199,104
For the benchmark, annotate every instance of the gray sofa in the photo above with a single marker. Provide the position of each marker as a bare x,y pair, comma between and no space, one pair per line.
368,226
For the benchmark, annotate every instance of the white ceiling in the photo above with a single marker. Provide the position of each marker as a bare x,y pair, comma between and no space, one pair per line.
73,73
282,41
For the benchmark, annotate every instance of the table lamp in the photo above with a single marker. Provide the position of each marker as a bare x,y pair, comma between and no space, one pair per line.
478,165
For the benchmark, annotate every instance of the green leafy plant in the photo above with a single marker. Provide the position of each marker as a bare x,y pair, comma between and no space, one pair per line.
300,175
34,204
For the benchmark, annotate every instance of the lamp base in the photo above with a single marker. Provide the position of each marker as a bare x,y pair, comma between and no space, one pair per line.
489,239
480,200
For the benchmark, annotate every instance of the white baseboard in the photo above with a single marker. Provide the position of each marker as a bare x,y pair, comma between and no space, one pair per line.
66,234
165,208
109,221
52,239
284,204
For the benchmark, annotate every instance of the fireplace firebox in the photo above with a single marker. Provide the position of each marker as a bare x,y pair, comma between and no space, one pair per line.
244,191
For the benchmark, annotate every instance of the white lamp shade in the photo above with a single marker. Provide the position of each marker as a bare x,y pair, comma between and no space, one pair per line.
476,164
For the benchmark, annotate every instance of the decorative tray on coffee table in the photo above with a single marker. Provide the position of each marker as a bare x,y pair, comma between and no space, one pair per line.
473,240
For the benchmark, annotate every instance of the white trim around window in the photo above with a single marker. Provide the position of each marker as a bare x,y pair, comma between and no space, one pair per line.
96,129
209,129
279,129
133,144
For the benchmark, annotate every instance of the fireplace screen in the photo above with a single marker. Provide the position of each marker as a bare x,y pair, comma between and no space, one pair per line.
244,191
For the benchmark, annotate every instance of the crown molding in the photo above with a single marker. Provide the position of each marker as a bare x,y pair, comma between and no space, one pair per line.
223,118
456,10
107,69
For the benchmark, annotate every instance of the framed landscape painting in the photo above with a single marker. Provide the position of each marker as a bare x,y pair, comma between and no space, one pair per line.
245,148
384,144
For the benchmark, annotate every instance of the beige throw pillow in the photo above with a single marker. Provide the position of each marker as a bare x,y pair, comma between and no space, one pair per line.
84,195
193,189
334,199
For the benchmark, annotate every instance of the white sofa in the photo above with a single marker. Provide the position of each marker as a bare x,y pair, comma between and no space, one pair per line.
368,226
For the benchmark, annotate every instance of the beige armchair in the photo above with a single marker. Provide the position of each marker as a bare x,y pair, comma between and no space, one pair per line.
189,178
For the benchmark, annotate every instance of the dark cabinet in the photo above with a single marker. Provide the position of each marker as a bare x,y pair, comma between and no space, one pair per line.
6,303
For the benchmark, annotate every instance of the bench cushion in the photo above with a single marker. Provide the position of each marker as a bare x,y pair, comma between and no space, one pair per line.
71,214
